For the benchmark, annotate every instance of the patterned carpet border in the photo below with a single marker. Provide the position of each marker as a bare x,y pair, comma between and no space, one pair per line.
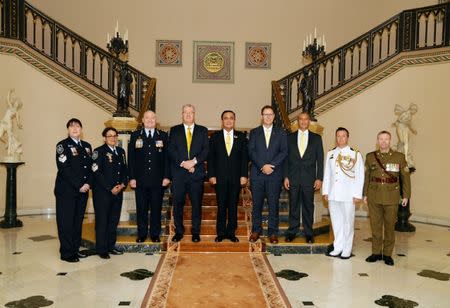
271,288
158,290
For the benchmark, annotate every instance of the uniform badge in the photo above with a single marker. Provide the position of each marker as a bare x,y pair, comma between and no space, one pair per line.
94,167
110,156
392,167
59,149
74,151
139,143
159,144
62,158
94,155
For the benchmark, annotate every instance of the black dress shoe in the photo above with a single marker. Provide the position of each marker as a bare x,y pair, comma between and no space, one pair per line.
155,239
177,237
72,259
374,258
345,258
219,238
388,260
289,238
116,252
310,239
233,238
81,255
104,255
141,239
196,238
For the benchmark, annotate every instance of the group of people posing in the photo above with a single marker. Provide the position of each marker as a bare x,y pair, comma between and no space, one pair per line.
186,156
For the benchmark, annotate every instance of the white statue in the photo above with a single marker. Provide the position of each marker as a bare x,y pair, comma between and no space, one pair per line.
13,146
403,128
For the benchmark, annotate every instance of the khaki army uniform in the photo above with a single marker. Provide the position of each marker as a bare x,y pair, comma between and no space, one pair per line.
383,174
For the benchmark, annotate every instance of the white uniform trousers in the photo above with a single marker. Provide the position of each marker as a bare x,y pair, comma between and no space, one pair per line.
342,218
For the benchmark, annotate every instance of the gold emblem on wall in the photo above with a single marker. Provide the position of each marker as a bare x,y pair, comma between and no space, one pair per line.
213,62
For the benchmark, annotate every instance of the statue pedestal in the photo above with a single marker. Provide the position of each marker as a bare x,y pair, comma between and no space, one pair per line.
125,126
10,218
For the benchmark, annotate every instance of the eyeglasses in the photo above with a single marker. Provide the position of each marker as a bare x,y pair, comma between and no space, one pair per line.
111,136
268,114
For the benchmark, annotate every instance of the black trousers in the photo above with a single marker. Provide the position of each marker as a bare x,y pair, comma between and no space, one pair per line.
149,198
107,215
301,198
194,189
270,189
227,195
69,219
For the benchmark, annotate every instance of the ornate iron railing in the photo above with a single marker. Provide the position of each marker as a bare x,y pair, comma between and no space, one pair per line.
20,20
416,29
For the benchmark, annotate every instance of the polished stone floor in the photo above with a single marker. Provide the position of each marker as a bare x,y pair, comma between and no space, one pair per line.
30,266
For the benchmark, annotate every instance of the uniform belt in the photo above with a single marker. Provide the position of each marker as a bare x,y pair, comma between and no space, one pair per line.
383,181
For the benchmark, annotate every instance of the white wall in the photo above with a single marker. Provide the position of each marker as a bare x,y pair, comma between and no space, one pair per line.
284,23
47,105
373,110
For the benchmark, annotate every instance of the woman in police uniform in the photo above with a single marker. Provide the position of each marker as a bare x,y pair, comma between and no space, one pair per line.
73,181
110,179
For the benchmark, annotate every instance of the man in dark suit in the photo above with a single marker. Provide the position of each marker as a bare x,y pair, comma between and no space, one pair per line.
149,175
110,179
303,174
73,181
267,150
188,151
227,170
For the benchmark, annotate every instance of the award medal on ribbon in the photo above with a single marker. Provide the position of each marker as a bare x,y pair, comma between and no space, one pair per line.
110,156
139,143
159,144
74,151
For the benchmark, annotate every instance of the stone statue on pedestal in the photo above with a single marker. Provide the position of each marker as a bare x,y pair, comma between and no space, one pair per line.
13,145
403,129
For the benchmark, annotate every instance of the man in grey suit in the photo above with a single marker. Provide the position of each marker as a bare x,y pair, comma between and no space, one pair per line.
303,174
267,150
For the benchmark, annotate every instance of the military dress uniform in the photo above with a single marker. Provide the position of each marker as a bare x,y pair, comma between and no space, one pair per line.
74,162
147,161
343,180
110,169
384,173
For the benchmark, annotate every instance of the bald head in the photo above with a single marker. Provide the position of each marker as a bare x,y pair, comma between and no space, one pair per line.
149,119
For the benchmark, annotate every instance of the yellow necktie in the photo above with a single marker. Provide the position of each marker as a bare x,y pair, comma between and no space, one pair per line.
267,137
302,145
228,143
189,140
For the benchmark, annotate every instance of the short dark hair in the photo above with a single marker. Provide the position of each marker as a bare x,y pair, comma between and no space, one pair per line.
226,111
73,121
304,112
384,132
107,129
267,107
342,129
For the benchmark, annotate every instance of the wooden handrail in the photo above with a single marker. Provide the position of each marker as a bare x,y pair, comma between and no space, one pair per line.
281,104
147,98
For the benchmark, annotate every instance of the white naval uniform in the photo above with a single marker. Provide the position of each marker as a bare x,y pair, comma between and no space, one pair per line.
341,188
